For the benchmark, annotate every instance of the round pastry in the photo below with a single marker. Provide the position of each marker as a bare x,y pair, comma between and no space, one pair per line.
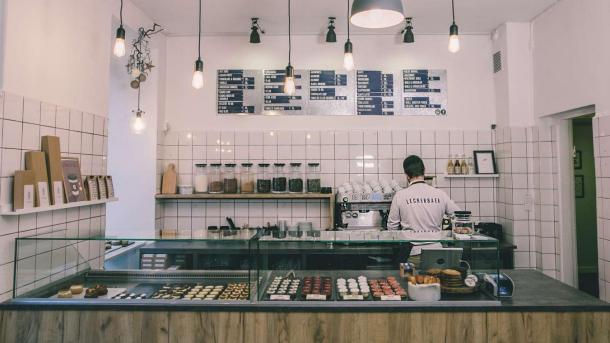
64,293
76,289
91,293
101,289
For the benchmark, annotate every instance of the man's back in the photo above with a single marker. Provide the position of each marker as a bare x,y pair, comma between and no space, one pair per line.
420,207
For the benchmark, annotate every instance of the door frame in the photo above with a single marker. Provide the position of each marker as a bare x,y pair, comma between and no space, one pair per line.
567,205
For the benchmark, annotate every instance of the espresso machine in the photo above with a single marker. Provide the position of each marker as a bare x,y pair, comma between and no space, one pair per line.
364,206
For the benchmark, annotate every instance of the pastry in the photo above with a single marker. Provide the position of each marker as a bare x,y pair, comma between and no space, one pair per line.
76,289
451,272
64,293
91,293
101,289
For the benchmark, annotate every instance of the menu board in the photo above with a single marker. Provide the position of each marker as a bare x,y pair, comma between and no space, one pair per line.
424,92
275,101
238,91
330,92
375,94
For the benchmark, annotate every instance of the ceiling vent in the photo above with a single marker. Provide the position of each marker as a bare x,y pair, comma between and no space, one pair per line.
497,60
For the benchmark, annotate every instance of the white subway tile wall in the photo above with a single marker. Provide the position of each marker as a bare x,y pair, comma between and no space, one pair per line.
22,122
601,144
343,156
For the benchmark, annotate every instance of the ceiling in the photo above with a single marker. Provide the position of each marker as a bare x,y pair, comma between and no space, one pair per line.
179,17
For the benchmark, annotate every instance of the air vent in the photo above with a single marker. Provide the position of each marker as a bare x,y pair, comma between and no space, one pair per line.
497,59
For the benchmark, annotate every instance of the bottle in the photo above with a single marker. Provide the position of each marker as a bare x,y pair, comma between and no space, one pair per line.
457,168
470,166
450,166
464,166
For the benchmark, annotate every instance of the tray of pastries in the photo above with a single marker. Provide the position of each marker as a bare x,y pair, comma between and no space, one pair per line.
317,288
353,289
283,288
388,289
78,291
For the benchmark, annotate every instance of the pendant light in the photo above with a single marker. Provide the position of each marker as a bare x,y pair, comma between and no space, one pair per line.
331,35
408,37
197,82
454,41
289,86
255,37
138,125
348,56
119,42
376,14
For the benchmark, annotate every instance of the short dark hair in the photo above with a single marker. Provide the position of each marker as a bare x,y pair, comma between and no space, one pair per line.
413,166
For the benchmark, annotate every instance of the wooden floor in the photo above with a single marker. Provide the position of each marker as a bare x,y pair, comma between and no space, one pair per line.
234,327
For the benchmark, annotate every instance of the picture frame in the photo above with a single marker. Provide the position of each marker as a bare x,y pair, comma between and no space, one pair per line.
485,162
579,186
577,160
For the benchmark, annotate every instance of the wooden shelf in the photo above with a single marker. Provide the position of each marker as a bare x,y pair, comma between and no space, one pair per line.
9,212
472,176
204,196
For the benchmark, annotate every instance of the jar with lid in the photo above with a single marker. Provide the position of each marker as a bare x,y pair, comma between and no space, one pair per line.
230,178
313,178
216,184
279,183
295,180
263,179
462,223
247,178
201,178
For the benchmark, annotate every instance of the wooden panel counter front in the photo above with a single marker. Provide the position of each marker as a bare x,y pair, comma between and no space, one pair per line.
265,327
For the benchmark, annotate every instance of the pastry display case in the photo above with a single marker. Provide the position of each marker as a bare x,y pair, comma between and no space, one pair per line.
259,268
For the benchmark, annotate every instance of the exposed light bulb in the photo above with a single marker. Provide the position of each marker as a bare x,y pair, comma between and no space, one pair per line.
119,42
138,125
454,41
289,86
348,56
348,61
197,82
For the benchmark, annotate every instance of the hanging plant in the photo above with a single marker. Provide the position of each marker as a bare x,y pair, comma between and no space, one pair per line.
140,62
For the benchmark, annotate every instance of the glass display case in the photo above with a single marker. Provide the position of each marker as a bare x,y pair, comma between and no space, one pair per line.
301,268
217,267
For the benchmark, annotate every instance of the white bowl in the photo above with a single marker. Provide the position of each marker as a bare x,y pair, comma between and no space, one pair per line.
425,292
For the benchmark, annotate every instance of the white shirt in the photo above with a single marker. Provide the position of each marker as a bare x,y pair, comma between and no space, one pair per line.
420,207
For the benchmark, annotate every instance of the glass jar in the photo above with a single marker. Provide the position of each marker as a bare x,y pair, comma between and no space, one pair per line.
313,178
247,178
201,178
230,178
462,223
263,180
279,183
295,181
216,184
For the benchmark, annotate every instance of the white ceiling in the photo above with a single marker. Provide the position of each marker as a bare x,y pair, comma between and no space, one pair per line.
179,17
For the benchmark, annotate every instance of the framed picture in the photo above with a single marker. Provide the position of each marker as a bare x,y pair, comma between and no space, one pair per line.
73,181
579,186
577,159
485,162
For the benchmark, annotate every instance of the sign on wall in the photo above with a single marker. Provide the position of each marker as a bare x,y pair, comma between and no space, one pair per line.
424,92
333,92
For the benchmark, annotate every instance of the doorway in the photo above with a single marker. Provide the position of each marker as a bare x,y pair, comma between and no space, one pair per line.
585,205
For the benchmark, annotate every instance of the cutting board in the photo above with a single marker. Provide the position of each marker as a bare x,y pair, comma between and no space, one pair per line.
169,182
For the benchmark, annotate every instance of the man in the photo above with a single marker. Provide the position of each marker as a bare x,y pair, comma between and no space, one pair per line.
419,207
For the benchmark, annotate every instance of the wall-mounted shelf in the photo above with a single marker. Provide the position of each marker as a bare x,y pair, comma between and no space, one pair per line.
204,196
9,212
258,196
472,176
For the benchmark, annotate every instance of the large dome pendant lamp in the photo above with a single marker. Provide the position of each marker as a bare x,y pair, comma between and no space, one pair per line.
289,86
377,14
197,81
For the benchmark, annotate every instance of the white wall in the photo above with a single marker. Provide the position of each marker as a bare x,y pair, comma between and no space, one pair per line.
57,51
470,82
570,57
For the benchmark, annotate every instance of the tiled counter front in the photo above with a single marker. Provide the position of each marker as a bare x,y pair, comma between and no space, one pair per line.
343,156
82,135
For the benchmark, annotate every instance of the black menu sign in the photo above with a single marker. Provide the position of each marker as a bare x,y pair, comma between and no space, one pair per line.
424,92
375,93
275,101
330,92
238,91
